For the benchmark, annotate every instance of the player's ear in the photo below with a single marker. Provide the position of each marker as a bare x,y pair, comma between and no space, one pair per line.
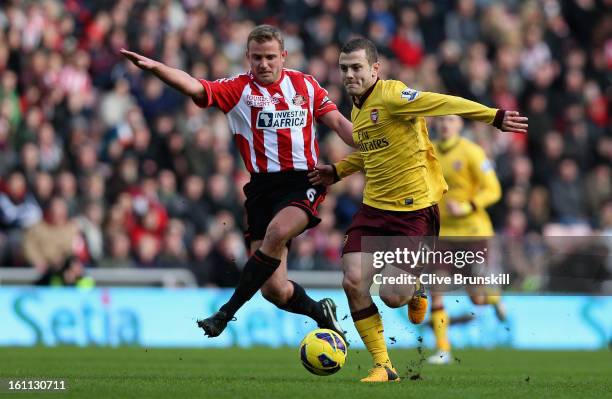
283,55
375,69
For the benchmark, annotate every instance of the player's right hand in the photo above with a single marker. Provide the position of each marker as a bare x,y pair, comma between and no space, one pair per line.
322,175
458,209
140,61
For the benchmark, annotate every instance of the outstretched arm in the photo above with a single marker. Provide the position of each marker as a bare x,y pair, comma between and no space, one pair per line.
409,102
435,104
176,78
337,122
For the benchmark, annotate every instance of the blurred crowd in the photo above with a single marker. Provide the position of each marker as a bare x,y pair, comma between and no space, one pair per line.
102,165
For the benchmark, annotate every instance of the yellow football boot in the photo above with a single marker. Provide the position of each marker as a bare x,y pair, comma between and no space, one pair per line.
382,373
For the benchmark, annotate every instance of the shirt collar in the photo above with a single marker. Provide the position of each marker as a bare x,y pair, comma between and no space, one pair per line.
447,145
358,101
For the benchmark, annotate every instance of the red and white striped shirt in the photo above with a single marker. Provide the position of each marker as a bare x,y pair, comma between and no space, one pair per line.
273,125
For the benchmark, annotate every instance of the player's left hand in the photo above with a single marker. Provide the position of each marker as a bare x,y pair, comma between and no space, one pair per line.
514,123
140,61
322,175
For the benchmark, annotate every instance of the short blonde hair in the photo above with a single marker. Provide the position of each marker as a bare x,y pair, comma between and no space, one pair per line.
265,33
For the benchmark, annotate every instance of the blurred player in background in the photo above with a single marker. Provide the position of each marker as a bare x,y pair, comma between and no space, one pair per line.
404,181
472,187
272,113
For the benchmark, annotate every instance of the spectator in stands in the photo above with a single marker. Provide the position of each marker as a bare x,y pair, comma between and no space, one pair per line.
201,260
168,195
566,190
229,252
147,251
118,253
66,185
29,161
43,188
195,205
19,211
50,242
90,226
174,253
50,152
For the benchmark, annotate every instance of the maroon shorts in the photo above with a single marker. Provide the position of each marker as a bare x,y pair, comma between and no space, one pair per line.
373,222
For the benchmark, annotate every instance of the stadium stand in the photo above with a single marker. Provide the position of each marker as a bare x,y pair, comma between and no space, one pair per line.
102,162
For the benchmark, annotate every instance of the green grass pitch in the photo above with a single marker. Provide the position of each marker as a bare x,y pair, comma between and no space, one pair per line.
277,373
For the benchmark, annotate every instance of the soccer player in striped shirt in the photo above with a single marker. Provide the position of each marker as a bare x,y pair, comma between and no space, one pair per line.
404,181
272,113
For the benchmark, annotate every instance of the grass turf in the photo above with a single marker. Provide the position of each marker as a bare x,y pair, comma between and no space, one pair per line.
277,373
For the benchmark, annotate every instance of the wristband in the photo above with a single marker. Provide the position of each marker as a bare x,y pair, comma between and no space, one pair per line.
499,118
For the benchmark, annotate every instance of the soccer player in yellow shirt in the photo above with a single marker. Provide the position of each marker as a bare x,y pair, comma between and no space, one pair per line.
472,187
404,181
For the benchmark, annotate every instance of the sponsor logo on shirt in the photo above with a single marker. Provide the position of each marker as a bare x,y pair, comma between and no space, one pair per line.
409,94
261,101
282,119
366,144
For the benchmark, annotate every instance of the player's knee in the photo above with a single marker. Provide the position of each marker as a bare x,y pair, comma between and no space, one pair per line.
393,301
277,236
478,299
351,285
437,302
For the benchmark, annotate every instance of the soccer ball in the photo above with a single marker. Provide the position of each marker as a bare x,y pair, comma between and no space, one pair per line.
323,352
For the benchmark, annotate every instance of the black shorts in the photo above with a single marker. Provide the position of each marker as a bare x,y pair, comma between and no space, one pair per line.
268,193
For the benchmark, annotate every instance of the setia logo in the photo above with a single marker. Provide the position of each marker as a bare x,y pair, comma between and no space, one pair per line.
374,115
409,94
282,119
310,193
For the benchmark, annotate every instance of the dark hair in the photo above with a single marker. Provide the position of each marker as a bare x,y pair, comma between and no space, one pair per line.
362,44
265,33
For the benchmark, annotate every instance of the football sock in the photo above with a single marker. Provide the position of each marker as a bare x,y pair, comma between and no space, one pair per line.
440,322
370,328
301,303
256,272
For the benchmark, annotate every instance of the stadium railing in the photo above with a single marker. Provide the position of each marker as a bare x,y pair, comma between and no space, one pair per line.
109,277
161,277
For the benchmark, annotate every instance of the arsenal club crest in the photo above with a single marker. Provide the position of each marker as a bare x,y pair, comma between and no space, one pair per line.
298,100
457,165
374,115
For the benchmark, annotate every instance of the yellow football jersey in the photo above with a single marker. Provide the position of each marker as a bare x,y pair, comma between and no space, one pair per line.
400,164
471,179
